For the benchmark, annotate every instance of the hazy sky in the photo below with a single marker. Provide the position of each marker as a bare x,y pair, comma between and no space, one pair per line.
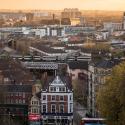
60,4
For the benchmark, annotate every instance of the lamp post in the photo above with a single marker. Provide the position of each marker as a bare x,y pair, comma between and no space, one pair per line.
9,118
56,118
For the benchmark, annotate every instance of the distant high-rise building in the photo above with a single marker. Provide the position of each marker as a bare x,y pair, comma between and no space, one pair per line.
29,16
124,21
71,13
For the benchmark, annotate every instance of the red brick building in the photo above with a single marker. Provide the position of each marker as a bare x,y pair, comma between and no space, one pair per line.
16,86
57,101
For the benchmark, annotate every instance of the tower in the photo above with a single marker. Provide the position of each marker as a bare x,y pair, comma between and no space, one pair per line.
124,21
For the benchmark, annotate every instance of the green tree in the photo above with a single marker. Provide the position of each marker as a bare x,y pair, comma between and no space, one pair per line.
111,97
80,91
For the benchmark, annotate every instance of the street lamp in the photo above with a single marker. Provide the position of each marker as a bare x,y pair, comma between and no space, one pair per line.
9,118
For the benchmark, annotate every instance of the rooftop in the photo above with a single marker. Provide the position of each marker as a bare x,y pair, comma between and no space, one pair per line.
78,65
65,80
47,49
107,64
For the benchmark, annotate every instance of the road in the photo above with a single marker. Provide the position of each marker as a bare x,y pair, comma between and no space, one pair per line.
79,112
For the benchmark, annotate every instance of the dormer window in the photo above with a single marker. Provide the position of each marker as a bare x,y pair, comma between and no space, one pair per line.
62,89
53,89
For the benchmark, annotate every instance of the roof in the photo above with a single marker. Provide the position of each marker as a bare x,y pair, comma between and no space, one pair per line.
38,95
47,49
78,65
72,48
16,88
64,79
107,64
57,80
58,45
76,42
15,73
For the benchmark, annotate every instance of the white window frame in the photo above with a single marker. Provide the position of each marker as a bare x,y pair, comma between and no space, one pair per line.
52,108
45,106
52,98
43,97
60,108
60,98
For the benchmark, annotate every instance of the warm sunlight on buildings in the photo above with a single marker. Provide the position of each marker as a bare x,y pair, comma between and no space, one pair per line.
60,4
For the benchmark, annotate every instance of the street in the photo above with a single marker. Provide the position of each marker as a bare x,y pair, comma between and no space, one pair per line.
79,112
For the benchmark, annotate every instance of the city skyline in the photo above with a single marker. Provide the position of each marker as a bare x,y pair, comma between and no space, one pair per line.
60,4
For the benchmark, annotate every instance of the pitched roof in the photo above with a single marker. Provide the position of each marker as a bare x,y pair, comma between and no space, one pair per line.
78,65
47,49
107,64
16,88
66,80
57,80
15,73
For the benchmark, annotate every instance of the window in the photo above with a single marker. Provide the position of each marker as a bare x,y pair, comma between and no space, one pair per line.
61,108
32,102
44,108
53,108
53,89
70,97
34,110
24,101
70,107
61,98
16,101
6,79
62,89
53,97
20,94
35,102
44,97
11,101
16,94
20,101
23,94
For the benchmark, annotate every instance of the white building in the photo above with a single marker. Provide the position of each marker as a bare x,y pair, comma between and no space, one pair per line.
102,35
35,105
110,26
57,101
124,21
97,74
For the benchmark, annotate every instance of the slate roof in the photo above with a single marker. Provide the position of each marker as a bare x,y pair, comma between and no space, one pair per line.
15,73
78,65
58,45
76,42
38,95
107,64
72,48
16,88
64,79
47,49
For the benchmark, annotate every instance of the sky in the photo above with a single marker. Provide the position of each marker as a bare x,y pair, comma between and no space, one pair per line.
61,4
